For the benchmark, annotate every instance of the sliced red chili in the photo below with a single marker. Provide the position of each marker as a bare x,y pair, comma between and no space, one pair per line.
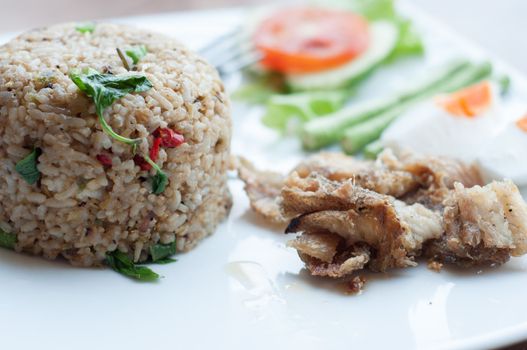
169,137
104,159
142,163
154,151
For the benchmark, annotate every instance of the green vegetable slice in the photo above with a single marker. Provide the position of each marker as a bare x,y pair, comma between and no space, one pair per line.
105,89
121,262
7,240
83,28
27,167
324,131
136,53
159,251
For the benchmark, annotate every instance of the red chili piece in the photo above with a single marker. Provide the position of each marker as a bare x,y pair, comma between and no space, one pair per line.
142,163
154,151
169,137
104,159
163,137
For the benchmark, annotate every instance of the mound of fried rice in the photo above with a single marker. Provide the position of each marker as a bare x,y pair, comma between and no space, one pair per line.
80,209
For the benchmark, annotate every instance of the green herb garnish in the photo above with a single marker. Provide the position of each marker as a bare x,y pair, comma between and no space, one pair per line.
8,240
159,252
165,261
27,167
88,27
160,180
123,59
136,53
105,89
122,263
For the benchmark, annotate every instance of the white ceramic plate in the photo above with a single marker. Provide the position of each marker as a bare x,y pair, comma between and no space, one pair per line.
242,288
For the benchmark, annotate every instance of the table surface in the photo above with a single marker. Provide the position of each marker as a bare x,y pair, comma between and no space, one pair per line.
494,25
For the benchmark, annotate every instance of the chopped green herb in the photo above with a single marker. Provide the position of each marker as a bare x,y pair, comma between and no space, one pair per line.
122,263
105,89
136,53
165,261
27,167
8,240
88,27
160,180
45,79
123,59
504,84
159,251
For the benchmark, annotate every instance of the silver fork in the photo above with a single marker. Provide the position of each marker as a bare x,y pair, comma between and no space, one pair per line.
231,52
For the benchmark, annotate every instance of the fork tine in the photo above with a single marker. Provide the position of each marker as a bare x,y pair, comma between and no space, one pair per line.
219,41
237,52
230,52
242,62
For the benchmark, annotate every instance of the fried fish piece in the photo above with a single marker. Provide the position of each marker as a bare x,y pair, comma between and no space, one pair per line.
390,228
365,173
477,225
413,179
483,225
352,214
263,189
344,263
436,176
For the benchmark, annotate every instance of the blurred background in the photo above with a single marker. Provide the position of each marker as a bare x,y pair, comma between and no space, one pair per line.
497,25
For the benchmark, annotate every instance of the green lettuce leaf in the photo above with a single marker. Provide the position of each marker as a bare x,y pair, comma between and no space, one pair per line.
370,9
409,42
303,106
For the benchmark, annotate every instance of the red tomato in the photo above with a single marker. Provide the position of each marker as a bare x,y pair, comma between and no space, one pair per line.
307,39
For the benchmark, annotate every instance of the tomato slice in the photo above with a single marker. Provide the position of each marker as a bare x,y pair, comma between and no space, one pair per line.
309,39
469,102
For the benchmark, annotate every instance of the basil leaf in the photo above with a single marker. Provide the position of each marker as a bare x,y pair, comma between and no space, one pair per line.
7,240
105,89
27,167
85,27
165,261
136,53
161,251
120,262
159,182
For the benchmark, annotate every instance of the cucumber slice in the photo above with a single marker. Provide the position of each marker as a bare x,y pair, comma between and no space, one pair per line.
384,35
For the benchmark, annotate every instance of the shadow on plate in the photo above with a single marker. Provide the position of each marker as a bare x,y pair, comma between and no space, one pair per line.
254,219
28,262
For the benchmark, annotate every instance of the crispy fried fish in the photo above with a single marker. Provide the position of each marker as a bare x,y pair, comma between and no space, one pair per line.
483,225
392,230
263,189
412,179
352,214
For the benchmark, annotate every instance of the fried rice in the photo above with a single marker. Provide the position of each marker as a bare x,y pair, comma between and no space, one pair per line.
80,209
